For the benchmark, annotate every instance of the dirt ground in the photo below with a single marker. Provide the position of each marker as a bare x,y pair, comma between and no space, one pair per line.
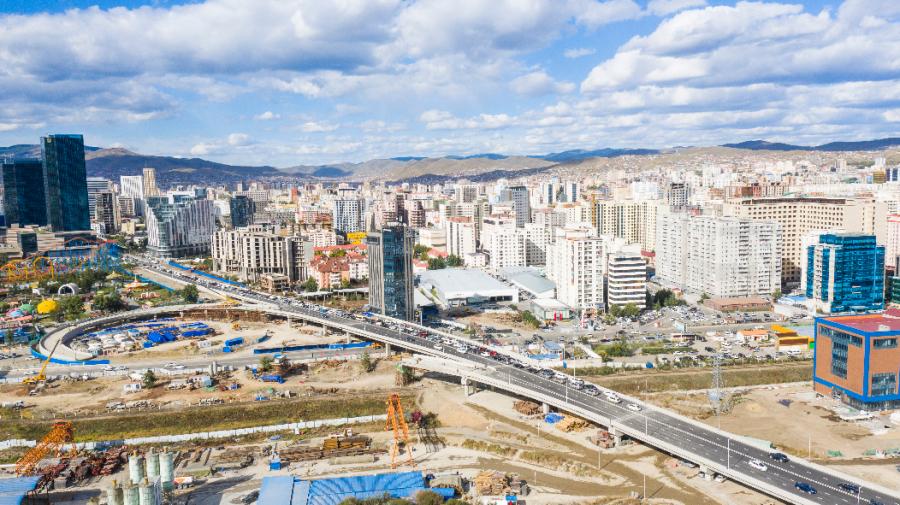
806,426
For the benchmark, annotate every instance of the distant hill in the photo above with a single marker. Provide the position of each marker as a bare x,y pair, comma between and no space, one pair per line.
606,152
863,145
114,163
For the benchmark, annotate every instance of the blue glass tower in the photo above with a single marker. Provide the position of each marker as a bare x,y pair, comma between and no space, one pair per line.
845,273
65,182
242,209
390,271
23,186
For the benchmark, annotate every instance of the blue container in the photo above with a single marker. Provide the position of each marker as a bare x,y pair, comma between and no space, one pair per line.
226,349
234,341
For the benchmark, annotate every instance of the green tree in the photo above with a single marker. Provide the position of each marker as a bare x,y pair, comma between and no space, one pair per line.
108,301
366,362
630,310
454,261
345,284
456,501
704,297
337,253
421,251
436,263
71,307
310,284
265,364
149,379
8,337
427,497
190,293
530,320
776,295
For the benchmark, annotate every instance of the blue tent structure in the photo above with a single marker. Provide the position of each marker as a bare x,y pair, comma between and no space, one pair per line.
14,489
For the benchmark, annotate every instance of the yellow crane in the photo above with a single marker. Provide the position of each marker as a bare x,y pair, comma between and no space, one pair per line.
41,376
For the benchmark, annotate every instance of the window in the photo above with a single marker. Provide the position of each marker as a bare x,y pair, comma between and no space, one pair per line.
884,384
885,343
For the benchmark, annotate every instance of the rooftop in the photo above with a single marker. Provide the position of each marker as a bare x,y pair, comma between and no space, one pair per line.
456,280
887,321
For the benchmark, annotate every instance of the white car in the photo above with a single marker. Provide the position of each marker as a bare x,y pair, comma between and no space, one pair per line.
759,465
438,347
614,398
633,407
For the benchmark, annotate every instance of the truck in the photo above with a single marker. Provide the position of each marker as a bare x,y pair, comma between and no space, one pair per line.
272,378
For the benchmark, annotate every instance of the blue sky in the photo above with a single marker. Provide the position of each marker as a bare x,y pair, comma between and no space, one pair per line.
291,82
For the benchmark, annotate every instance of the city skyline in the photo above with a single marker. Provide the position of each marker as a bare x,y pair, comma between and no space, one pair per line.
368,80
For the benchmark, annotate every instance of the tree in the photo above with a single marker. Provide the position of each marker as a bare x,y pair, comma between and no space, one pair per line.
437,263
704,297
190,293
310,284
530,320
108,300
71,307
456,501
8,337
265,364
337,253
454,261
421,251
630,310
149,379
366,362
427,497
345,284
776,295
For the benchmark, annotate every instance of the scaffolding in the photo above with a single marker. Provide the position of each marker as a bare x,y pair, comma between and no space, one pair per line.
61,434
396,421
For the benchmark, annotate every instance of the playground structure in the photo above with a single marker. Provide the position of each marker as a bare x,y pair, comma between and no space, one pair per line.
397,421
77,254
61,434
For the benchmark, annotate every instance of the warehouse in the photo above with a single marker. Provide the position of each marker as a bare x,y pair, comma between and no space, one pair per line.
456,287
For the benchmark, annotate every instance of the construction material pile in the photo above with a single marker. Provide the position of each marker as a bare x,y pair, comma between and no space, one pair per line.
571,423
490,482
527,408
334,446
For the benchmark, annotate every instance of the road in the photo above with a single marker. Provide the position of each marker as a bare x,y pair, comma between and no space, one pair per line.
657,427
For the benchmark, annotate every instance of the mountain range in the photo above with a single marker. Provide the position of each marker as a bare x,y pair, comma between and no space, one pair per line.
115,162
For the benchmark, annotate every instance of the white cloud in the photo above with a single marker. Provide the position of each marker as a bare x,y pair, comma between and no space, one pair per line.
5,127
539,83
239,139
578,52
666,7
267,116
317,127
202,149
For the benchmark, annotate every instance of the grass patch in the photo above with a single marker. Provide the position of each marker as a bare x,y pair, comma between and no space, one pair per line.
478,445
652,381
197,419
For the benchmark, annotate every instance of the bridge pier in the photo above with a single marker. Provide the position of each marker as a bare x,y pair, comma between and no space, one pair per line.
469,388
545,408
706,473
387,349
616,436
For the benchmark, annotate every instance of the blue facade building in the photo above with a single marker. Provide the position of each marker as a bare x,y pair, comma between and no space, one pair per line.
845,273
23,185
65,182
390,254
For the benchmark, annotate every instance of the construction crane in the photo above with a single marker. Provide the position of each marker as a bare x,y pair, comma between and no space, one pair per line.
397,421
41,376
61,434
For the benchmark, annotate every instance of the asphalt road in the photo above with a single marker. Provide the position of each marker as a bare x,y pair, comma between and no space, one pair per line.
691,436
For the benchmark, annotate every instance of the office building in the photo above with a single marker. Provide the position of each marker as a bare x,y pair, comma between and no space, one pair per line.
179,226
722,257
390,254
95,186
255,252
23,186
537,242
348,215
798,216
576,262
416,215
856,359
127,207
106,212
626,277
521,205
466,193
632,220
892,242
149,181
65,182
845,272
241,209
461,236
678,194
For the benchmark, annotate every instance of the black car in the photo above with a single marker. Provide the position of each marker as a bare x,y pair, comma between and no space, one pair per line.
779,457
850,488
873,501
250,498
805,487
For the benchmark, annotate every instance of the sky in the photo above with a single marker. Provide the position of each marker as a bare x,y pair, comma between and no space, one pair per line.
298,82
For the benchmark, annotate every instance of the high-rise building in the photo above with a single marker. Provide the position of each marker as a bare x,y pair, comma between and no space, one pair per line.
390,254
626,277
722,257
95,186
417,215
798,216
632,220
892,244
127,206
132,186
845,272
537,242
461,236
505,245
678,194
521,205
254,252
348,215
65,182
178,225
466,193
576,262
23,185
242,209
149,181
106,212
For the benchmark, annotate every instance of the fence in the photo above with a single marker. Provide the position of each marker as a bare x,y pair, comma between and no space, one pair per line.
209,435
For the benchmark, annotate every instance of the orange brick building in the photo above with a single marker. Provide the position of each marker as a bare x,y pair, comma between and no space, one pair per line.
858,359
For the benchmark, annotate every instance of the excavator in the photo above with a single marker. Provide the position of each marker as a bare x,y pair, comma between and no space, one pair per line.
41,375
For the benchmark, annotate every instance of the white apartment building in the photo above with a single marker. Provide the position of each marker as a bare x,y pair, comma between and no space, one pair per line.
626,277
505,245
800,215
537,243
576,263
132,186
254,252
632,220
892,243
461,236
722,257
435,238
348,215
179,226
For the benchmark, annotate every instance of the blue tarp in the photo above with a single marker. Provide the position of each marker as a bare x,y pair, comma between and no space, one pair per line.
445,492
312,347
234,341
543,356
14,489
552,346
196,333
553,418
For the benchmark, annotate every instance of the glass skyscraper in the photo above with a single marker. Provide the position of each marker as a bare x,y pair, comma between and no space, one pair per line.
390,271
65,182
23,186
242,209
845,273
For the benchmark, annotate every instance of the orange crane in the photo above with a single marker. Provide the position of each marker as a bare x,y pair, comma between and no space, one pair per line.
397,421
61,434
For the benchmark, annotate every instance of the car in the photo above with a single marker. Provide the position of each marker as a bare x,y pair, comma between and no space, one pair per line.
757,464
250,497
438,347
633,407
779,457
805,487
873,501
848,487
614,398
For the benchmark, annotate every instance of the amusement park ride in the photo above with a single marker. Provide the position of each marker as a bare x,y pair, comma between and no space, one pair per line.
77,254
